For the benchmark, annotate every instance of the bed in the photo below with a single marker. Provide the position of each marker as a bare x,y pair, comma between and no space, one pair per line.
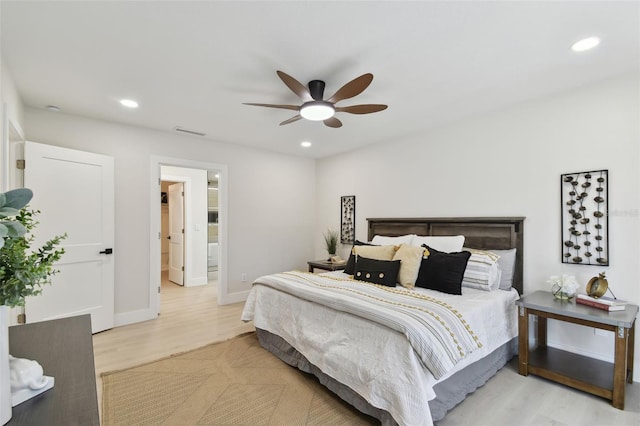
374,360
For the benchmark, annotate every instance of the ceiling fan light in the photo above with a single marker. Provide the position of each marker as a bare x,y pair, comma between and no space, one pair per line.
317,110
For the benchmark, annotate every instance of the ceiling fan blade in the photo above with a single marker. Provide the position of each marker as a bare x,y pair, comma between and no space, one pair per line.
291,120
333,122
292,107
362,109
295,86
352,88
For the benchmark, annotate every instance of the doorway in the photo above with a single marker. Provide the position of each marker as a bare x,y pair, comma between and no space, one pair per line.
198,230
213,244
172,229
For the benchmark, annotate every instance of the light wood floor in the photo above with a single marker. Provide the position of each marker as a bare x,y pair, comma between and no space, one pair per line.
509,399
190,318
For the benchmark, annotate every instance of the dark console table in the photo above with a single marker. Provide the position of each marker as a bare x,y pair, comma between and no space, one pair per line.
64,348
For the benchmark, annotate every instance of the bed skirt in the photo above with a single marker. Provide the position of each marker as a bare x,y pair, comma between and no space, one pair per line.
449,392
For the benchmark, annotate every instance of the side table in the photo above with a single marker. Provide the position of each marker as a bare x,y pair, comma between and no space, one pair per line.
578,371
325,265
64,348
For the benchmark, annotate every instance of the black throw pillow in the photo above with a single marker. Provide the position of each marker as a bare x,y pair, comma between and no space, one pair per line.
383,272
443,271
351,262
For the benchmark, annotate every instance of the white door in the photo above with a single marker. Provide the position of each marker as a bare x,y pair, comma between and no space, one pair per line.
176,233
74,190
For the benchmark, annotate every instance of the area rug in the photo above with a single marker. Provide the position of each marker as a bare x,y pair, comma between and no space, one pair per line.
235,382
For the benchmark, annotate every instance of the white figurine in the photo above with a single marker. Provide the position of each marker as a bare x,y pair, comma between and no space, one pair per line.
26,374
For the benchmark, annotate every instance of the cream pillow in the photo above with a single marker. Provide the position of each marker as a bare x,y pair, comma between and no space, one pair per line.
375,252
410,258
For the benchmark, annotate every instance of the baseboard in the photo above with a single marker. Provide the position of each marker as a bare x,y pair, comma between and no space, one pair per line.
231,298
580,351
132,317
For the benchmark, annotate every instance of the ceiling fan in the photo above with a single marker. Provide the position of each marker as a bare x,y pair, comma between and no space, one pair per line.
315,108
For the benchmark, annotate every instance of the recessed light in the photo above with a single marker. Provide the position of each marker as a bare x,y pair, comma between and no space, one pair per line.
585,44
129,103
305,144
53,108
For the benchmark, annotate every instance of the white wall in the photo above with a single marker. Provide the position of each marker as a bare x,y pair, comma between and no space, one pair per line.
195,221
11,117
10,97
509,163
271,203
11,133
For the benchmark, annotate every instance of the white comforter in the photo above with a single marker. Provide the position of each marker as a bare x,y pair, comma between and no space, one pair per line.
377,362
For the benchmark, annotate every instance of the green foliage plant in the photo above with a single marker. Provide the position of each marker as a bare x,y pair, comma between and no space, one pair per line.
331,241
10,204
23,270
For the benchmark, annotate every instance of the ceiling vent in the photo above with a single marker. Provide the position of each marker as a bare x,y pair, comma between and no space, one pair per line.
191,132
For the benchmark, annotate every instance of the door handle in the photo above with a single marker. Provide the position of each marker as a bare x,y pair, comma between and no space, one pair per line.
107,251
169,237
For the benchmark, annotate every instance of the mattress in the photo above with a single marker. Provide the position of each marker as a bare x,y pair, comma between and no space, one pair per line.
376,362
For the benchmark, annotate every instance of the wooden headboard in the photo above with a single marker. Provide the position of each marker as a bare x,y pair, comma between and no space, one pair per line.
485,233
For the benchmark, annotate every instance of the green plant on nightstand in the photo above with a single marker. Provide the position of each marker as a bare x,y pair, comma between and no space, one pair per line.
331,242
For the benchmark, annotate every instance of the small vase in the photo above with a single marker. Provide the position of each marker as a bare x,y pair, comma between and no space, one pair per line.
5,382
560,293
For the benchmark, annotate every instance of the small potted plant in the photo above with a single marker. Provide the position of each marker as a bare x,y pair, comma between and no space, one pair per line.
331,242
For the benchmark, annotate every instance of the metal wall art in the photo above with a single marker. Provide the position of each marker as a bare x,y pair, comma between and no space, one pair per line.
585,218
348,219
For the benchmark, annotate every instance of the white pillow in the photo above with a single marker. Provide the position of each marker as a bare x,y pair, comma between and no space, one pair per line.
381,240
507,264
449,244
483,271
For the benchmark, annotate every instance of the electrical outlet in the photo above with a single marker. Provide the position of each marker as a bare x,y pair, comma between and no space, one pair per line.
243,277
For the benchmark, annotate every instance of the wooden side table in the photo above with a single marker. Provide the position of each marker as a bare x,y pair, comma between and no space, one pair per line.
578,371
64,348
325,265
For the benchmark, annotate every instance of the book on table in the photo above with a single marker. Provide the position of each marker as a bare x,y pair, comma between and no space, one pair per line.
598,305
604,299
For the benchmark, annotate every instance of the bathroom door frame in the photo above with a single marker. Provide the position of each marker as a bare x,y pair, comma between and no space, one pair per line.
155,226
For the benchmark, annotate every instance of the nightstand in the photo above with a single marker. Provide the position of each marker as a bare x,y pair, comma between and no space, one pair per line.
597,377
326,265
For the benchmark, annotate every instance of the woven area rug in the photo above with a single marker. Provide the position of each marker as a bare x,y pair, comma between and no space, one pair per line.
235,382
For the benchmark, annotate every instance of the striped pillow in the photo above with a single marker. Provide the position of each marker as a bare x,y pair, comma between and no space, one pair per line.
483,271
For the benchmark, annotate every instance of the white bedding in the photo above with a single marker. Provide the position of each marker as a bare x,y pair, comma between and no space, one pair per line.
375,361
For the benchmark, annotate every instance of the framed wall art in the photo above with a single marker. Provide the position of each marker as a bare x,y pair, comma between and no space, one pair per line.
347,219
585,217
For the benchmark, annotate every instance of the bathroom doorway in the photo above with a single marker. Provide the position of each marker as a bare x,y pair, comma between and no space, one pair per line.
213,203
204,226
